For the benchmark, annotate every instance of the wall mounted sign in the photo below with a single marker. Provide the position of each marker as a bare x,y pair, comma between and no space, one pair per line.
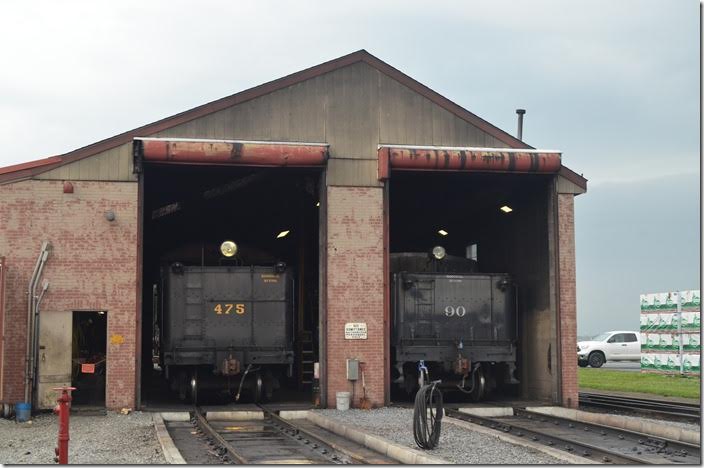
356,331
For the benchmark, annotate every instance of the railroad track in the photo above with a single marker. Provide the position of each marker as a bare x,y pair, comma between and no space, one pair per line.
273,440
592,441
689,411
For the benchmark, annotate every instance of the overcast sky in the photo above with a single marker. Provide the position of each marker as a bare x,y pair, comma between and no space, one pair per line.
613,84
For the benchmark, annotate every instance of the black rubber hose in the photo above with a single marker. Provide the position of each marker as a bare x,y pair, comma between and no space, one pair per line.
427,414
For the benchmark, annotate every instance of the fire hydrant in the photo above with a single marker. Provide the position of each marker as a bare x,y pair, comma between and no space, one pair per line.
63,408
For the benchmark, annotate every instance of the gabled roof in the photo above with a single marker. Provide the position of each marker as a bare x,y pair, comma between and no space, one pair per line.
32,168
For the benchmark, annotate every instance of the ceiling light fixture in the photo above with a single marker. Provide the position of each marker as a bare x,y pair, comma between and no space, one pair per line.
282,234
506,209
442,232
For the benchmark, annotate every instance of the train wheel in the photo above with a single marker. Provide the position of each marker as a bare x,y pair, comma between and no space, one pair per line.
479,386
193,387
258,388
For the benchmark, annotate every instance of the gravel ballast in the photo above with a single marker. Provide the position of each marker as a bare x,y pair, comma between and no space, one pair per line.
457,445
109,439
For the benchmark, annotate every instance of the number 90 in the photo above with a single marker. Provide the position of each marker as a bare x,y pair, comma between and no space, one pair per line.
451,311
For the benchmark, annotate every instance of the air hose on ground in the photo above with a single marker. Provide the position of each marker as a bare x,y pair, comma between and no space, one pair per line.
427,414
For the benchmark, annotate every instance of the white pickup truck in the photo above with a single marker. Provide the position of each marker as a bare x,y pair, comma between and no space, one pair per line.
609,346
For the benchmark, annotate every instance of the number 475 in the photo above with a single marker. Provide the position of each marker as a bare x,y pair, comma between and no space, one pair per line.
220,310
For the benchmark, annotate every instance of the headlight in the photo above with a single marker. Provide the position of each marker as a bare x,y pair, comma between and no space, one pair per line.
228,248
438,252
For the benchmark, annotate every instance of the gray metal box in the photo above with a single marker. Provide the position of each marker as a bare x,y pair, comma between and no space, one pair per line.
352,369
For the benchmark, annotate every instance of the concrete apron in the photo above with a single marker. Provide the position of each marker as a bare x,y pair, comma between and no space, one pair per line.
405,455
168,448
644,427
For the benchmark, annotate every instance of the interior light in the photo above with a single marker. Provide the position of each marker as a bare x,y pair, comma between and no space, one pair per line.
442,232
317,204
506,209
228,248
282,234
438,252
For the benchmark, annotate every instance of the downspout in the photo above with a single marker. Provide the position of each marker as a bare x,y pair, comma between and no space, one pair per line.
31,297
35,350
34,329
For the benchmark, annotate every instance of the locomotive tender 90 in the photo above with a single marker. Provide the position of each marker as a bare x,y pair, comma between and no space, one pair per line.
220,324
451,323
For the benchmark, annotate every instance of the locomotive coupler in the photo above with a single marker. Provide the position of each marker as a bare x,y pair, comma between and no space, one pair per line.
461,365
230,366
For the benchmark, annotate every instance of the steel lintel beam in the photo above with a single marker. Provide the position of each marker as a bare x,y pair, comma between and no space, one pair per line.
231,152
467,159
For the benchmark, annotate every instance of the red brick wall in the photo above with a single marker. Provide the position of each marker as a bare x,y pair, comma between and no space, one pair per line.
92,266
355,291
568,300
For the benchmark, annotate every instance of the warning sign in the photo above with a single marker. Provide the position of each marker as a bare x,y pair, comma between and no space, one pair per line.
356,331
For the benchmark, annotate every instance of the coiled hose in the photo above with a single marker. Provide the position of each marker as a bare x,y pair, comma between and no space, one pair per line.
427,414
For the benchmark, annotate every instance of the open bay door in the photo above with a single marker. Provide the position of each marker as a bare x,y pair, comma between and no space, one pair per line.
54,366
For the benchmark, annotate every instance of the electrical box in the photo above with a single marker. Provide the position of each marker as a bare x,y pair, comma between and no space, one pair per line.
352,369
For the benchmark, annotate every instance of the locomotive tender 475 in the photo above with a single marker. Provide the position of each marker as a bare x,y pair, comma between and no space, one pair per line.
451,323
226,327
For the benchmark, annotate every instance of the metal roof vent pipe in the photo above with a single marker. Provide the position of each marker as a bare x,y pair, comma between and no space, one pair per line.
520,113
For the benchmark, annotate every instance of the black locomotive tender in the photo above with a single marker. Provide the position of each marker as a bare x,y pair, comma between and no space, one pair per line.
452,324
226,327
230,327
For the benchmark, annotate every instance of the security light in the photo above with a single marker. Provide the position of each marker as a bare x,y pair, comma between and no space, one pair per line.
282,234
506,209
228,248
442,232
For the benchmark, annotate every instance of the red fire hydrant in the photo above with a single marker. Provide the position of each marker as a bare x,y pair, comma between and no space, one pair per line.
63,409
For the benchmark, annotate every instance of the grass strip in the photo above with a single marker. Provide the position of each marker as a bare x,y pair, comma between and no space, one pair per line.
656,384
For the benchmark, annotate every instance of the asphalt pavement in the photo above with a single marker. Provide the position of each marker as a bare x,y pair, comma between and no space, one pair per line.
631,366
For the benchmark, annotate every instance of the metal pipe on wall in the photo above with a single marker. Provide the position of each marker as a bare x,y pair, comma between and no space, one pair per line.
35,349
31,302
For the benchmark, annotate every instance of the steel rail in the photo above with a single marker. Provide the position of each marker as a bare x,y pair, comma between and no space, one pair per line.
210,431
640,437
670,408
296,430
323,449
570,445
